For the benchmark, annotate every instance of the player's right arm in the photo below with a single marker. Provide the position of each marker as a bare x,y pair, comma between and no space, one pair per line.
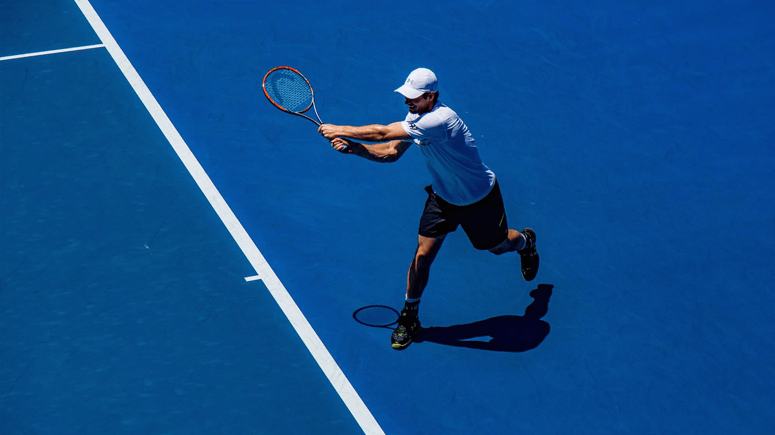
385,152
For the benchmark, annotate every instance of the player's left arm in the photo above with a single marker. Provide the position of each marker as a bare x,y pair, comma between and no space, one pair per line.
368,133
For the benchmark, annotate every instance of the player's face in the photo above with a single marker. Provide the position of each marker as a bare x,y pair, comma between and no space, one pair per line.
421,104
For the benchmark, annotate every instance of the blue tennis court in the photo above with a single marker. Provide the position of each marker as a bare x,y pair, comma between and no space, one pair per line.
179,256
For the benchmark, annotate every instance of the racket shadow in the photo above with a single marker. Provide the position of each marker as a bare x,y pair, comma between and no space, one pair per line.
377,316
506,333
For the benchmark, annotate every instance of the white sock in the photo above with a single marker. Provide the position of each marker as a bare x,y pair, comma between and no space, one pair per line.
524,242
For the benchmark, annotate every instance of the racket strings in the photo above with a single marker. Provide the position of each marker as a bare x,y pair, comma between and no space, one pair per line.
289,90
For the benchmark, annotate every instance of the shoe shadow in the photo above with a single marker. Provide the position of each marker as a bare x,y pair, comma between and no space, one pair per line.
507,333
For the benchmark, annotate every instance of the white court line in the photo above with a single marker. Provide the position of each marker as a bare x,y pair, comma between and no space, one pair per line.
308,335
44,53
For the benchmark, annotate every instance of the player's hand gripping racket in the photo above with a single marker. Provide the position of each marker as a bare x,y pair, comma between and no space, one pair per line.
290,92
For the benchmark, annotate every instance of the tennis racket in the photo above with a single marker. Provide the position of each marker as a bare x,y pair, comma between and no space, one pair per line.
288,90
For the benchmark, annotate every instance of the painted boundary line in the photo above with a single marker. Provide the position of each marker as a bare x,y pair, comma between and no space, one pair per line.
315,346
44,53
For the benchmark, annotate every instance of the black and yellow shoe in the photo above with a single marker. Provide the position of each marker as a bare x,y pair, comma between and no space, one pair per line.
408,327
528,255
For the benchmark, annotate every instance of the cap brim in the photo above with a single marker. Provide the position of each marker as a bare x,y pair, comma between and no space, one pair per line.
409,92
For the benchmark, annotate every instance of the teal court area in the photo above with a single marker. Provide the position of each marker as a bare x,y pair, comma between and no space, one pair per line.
180,257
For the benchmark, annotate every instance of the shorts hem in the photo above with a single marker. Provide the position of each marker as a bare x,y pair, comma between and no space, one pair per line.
433,236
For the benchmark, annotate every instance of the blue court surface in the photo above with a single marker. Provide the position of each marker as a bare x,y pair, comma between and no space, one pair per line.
180,257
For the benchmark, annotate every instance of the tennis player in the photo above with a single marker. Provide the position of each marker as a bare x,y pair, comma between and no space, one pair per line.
464,191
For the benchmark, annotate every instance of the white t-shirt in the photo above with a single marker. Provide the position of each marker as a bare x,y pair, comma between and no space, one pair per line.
459,175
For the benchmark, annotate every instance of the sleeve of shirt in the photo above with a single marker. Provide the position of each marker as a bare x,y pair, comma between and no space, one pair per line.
429,126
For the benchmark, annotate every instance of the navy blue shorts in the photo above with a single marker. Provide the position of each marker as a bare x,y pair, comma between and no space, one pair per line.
483,221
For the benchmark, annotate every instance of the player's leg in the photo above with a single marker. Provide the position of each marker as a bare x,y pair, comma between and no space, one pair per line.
486,226
419,270
416,280
438,220
514,241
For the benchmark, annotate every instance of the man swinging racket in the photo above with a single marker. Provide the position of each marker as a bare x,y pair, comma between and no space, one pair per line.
464,191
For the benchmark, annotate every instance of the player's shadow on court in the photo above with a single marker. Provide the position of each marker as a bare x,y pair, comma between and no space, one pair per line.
505,333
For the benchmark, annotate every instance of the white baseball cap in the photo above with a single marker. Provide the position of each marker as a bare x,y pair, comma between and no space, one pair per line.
420,81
